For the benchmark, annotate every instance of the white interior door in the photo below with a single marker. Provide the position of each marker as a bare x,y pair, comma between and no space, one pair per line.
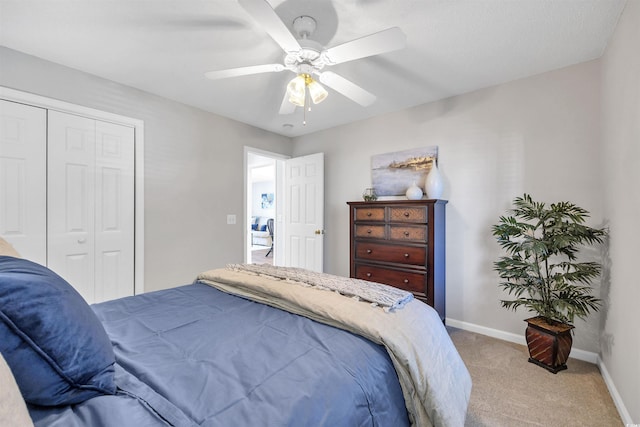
304,212
91,205
23,168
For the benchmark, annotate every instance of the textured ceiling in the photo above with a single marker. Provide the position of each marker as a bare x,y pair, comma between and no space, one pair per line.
165,47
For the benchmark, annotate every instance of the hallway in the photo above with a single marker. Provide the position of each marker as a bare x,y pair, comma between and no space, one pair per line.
258,255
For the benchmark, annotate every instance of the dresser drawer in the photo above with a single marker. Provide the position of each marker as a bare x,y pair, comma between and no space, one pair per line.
369,214
412,282
408,214
369,230
408,233
391,253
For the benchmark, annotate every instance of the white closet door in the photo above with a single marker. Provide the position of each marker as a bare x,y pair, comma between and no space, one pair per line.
23,139
114,204
91,205
71,204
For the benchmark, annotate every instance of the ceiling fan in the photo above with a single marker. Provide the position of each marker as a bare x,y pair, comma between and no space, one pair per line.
307,58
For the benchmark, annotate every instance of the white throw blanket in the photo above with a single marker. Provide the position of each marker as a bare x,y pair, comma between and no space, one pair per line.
435,382
388,297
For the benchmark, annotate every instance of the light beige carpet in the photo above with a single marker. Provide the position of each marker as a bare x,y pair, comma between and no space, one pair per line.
510,391
258,256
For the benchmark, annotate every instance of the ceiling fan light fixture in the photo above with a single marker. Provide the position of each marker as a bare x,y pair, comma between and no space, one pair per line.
317,92
296,90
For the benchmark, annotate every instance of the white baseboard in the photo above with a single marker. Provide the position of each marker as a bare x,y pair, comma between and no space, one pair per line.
586,356
617,399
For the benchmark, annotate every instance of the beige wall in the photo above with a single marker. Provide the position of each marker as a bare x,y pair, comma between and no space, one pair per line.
193,166
539,135
621,153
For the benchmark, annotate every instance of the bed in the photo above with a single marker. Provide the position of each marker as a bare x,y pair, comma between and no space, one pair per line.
243,345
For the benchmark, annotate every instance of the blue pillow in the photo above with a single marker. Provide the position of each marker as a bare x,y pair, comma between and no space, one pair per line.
254,227
263,227
57,348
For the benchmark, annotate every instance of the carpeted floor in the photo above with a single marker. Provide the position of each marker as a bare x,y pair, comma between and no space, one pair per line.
258,255
510,391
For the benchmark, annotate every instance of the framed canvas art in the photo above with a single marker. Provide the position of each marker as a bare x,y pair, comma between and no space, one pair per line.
393,173
267,200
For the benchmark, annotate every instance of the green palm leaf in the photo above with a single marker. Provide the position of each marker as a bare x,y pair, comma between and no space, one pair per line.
541,269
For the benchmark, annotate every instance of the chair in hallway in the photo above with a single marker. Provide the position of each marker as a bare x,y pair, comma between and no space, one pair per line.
270,229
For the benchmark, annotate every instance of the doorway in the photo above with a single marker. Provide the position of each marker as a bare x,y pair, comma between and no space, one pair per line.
296,206
261,206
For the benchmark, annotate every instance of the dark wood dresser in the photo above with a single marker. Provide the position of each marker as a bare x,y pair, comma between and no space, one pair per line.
401,243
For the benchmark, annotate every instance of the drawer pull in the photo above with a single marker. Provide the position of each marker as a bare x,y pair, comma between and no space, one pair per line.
406,255
406,233
406,281
368,251
368,274
368,213
369,231
406,214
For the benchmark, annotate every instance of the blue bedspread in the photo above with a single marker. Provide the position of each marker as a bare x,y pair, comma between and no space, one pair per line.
194,355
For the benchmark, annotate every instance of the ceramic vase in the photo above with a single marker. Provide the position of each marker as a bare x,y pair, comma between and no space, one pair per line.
433,185
414,192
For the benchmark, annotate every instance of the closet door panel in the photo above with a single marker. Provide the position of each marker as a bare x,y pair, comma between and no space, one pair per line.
23,179
114,211
71,200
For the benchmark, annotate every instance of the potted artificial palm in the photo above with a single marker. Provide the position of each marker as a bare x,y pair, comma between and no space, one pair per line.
542,273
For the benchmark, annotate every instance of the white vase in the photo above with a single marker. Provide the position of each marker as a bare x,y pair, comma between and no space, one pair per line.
433,184
414,192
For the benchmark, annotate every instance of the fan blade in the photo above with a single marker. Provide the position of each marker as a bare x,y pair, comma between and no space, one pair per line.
374,44
287,107
347,88
244,71
264,14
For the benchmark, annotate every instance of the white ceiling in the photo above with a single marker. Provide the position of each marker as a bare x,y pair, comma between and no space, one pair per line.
165,47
